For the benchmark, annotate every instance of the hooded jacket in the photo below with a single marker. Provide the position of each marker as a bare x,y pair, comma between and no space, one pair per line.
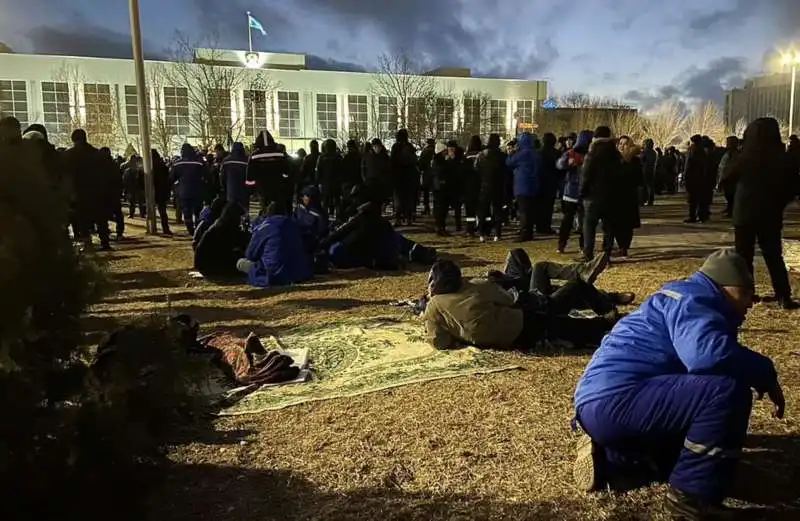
188,173
571,162
313,219
233,176
527,166
404,161
269,169
329,170
308,167
208,216
351,168
601,167
278,252
687,327
222,244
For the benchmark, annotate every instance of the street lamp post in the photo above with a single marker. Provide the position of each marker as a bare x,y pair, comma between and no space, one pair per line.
144,116
792,59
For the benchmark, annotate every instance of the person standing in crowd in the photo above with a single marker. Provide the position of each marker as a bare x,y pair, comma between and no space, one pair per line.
526,162
329,176
443,172
10,131
233,178
162,189
571,205
405,178
456,166
765,184
351,173
133,183
649,161
724,184
113,184
695,175
377,173
624,214
493,174
269,169
308,168
548,186
189,174
794,153
669,170
601,169
424,164
471,185
84,168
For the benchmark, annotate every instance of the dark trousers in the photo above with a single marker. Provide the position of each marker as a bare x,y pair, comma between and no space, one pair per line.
622,236
526,211
442,202
161,207
87,223
593,216
769,240
730,194
118,217
699,205
688,426
426,200
650,190
191,213
471,214
544,213
573,294
490,216
570,211
405,203
136,200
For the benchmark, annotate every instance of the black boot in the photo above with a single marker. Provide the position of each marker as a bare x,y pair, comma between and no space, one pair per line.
688,508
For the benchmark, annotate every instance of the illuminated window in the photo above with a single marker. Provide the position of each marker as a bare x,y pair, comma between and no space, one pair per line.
387,115
525,112
131,110
219,113
97,102
255,112
55,107
327,124
14,100
497,117
359,116
289,114
476,112
176,110
444,118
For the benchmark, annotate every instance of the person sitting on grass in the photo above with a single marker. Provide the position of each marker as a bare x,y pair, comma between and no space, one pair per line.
221,246
208,216
312,217
668,393
485,314
276,255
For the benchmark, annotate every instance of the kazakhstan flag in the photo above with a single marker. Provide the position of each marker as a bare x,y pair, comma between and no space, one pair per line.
255,24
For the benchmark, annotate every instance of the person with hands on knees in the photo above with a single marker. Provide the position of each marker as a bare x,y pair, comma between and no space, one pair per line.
668,394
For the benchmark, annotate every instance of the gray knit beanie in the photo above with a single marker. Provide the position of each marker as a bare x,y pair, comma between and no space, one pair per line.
728,268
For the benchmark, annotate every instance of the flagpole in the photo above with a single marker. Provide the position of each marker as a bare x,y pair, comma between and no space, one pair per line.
249,32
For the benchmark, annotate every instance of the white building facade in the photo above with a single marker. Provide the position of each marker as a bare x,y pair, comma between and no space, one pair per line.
298,105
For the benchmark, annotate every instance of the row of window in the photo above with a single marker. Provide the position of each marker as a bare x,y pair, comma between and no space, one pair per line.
481,116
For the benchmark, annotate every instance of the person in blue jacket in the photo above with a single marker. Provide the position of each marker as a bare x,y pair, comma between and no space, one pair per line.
188,173
233,177
668,393
571,204
526,164
312,217
276,255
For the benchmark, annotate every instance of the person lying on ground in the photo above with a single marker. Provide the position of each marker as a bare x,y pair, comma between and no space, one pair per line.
668,394
312,217
276,255
222,245
208,215
484,314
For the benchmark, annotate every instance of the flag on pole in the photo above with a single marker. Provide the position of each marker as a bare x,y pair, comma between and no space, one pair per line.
255,24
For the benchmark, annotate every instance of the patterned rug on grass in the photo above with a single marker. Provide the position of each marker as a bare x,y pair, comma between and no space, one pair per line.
353,359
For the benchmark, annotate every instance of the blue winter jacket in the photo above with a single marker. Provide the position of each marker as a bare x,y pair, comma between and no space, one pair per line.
572,178
687,327
279,253
527,166
189,174
233,174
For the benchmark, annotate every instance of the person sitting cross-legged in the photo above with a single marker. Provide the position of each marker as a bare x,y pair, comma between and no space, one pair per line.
485,314
668,394
222,244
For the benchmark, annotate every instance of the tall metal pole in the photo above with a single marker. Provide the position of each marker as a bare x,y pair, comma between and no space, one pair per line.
144,116
791,96
249,32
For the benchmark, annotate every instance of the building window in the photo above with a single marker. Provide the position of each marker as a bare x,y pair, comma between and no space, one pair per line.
255,111
475,116
497,117
176,110
219,113
289,114
14,100
359,116
55,107
420,123
131,110
525,112
387,115
97,103
326,116
444,118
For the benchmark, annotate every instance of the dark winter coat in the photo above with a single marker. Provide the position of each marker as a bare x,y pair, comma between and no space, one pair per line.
329,171
492,171
404,165
270,170
161,180
527,166
377,173
222,245
424,165
698,169
84,171
351,171
624,214
233,176
601,168
189,173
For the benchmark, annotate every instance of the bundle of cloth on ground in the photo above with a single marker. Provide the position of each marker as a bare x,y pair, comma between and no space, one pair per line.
247,362
667,396
519,307
284,249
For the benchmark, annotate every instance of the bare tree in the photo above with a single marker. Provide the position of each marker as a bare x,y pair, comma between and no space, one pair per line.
738,128
706,120
400,78
579,100
164,135
666,126
628,123
210,85
476,118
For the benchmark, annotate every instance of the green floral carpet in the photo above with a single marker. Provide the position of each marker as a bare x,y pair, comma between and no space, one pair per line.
352,359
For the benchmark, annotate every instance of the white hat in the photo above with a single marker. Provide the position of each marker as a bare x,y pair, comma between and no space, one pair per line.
440,147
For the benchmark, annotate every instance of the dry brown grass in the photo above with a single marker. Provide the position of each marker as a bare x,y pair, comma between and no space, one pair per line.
490,447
